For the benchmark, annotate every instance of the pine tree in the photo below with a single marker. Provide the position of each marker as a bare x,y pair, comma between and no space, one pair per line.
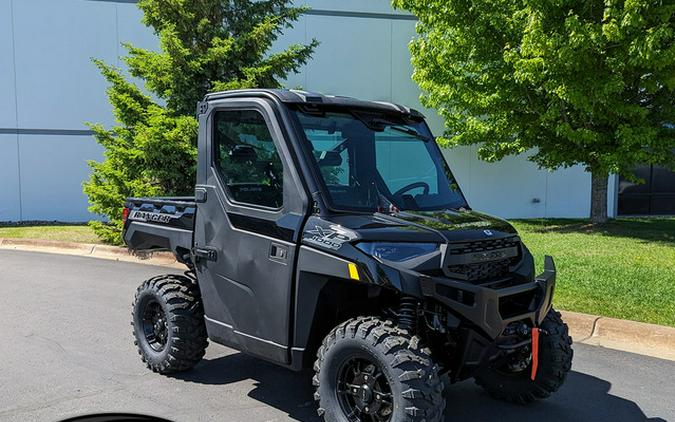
204,46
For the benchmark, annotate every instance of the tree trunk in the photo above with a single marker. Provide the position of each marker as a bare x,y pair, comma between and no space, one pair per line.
599,183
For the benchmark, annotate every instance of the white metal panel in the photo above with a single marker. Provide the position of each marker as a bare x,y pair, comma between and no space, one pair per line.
517,188
354,57
612,195
404,90
7,93
57,85
9,175
459,160
130,29
295,35
371,6
53,169
509,188
568,193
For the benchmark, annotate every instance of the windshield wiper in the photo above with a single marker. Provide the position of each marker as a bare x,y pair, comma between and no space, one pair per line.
380,124
410,131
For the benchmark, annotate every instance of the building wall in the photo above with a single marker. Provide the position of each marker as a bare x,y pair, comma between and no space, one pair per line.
49,89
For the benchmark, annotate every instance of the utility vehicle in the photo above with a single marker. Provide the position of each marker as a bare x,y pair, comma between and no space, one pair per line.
329,232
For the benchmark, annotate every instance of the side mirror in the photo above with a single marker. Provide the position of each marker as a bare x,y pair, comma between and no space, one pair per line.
243,153
330,159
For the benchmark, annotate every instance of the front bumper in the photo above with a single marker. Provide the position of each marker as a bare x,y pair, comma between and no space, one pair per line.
491,310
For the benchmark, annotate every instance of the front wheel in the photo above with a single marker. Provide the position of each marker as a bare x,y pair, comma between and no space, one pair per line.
511,381
368,369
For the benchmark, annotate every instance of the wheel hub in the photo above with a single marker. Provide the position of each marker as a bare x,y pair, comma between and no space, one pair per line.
155,326
364,390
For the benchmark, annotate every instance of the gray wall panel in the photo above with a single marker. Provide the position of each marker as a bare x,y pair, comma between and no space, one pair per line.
53,169
9,179
57,85
354,57
131,30
372,6
7,93
404,89
295,35
362,54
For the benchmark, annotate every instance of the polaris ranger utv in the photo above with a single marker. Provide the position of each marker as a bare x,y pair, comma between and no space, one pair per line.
329,231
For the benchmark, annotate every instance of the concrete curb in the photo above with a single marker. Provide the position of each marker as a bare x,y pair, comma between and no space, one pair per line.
620,334
629,336
115,253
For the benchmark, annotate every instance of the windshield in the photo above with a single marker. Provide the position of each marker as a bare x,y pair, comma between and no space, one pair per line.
378,162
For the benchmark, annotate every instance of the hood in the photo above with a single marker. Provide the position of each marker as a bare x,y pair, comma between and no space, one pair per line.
426,226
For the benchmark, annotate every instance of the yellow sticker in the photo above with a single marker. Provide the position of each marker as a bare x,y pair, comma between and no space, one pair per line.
353,271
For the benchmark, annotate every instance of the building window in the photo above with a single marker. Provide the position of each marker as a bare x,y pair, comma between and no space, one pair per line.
654,197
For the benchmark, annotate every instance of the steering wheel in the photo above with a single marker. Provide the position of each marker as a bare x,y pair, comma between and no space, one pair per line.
423,185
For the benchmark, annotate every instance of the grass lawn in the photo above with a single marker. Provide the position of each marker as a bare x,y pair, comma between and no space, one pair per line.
623,269
81,234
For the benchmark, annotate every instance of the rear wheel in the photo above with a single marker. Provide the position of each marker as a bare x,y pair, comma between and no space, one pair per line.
370,370
511,381
168,323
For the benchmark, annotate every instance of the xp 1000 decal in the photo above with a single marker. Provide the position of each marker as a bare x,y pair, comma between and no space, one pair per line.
332,237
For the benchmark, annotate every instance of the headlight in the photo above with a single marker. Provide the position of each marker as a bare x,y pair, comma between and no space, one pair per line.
397,251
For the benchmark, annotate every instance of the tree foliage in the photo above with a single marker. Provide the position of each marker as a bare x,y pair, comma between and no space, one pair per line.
586,82
204,46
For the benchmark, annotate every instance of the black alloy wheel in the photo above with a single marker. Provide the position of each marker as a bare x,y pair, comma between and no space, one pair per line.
363,391
168,323
155,326
370,370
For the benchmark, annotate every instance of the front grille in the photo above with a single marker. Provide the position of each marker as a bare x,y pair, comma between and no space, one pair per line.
484,245
482,259
481,271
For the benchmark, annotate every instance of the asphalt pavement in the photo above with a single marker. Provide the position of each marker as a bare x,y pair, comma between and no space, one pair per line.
66,349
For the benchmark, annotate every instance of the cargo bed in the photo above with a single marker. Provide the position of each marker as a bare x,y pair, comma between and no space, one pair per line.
160,223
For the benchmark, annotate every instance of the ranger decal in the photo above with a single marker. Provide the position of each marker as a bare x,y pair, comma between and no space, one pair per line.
155,217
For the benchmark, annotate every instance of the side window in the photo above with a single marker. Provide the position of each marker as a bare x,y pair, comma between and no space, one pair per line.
246,158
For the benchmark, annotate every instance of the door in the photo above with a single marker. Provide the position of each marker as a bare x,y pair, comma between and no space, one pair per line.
247,226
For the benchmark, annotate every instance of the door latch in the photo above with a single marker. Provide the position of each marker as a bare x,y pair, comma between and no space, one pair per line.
278,252
206,253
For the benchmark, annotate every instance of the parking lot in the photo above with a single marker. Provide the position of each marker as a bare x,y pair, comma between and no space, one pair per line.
67,349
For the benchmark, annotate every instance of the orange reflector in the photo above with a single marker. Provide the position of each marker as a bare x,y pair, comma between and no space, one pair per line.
353,272
535,352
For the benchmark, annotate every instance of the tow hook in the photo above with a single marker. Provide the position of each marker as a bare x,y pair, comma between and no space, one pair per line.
535,352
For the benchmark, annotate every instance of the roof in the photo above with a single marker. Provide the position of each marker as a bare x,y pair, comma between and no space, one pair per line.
305,97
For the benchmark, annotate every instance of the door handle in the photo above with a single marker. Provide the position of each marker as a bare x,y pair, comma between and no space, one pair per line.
278,252
206,253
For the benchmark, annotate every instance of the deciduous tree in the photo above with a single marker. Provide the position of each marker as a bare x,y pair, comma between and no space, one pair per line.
587,82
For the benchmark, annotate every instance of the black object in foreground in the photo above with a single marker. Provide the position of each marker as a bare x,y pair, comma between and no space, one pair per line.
115,417
330,231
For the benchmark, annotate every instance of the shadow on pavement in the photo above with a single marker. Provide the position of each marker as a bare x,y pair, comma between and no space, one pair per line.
582,398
